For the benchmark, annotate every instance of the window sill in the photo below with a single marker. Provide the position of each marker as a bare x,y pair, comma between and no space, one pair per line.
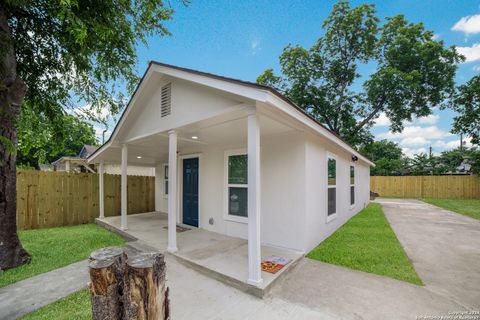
233,218
331,217
352,206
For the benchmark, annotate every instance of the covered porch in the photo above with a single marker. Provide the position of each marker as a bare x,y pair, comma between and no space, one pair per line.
205,137
218,256
227,247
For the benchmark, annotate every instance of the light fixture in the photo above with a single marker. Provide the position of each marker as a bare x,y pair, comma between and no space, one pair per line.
194,137
139,157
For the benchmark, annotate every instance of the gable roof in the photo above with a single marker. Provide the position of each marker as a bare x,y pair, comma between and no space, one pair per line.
249,84
87,150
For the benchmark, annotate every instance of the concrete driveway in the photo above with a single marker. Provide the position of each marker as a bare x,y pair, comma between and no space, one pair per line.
444,247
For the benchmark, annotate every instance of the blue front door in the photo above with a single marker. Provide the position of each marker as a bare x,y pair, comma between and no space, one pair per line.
190,192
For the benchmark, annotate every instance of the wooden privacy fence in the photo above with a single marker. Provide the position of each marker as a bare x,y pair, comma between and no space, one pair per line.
454,187
54,199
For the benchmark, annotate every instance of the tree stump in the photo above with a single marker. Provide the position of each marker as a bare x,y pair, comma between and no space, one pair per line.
146,292
107,268
128,285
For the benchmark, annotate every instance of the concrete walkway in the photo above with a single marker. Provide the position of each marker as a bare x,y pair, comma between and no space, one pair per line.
444,247
33,293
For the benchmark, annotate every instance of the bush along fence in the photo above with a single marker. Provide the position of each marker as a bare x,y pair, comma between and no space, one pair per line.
54,199
442,187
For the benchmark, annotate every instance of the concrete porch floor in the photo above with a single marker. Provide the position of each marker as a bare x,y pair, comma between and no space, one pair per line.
219,256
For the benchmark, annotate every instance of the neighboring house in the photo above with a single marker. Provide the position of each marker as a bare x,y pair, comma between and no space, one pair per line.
237,158
80,164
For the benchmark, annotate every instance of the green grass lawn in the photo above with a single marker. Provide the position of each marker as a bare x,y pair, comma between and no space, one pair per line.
57,247
367,243
467,207
75,306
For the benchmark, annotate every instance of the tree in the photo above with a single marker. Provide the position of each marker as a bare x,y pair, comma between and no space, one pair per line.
467,103
53,54
387,156
413,72
42,140
452,159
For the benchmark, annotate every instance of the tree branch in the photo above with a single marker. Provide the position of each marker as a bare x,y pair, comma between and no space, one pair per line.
379,107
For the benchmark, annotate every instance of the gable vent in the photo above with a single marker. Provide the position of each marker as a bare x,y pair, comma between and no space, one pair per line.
166,104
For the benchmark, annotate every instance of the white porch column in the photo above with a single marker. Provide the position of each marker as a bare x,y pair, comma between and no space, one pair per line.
254,248
123,186
172,191
101,203
67,165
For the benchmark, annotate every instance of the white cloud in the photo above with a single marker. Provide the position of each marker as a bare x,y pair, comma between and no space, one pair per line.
255,46
86,111
382,120
409,152
476,68
414,141
468,25
429,133
471,53
452,144
430,119
436,36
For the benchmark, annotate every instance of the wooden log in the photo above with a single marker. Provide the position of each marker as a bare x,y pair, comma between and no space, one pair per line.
146,294
107,267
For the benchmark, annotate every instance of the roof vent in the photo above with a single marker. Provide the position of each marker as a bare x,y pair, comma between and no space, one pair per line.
166,104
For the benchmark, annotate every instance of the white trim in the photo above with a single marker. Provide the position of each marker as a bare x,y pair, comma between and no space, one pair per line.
226,185
180,187
334,215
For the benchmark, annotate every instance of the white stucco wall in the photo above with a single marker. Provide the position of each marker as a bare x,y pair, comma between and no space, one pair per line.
282,185
293,185
317,228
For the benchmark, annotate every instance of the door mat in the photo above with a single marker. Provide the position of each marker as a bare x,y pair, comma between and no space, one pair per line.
179,228
273,264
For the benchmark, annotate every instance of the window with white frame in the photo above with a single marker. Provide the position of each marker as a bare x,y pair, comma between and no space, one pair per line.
165,179
352,185
237,184
331,185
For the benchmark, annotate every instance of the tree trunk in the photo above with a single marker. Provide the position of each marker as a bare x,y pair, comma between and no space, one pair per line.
12,92
107,268
128,286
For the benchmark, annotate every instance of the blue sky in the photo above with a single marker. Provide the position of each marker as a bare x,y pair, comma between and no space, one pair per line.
240,39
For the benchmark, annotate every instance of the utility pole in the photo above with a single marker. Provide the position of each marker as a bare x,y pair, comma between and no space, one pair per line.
430,152
461,142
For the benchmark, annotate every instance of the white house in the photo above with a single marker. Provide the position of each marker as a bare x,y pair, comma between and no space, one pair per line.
237,158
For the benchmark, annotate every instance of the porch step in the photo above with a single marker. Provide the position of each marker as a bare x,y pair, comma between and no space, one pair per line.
109,227
261,291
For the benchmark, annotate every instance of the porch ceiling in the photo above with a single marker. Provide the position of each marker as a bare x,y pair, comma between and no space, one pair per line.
222,132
